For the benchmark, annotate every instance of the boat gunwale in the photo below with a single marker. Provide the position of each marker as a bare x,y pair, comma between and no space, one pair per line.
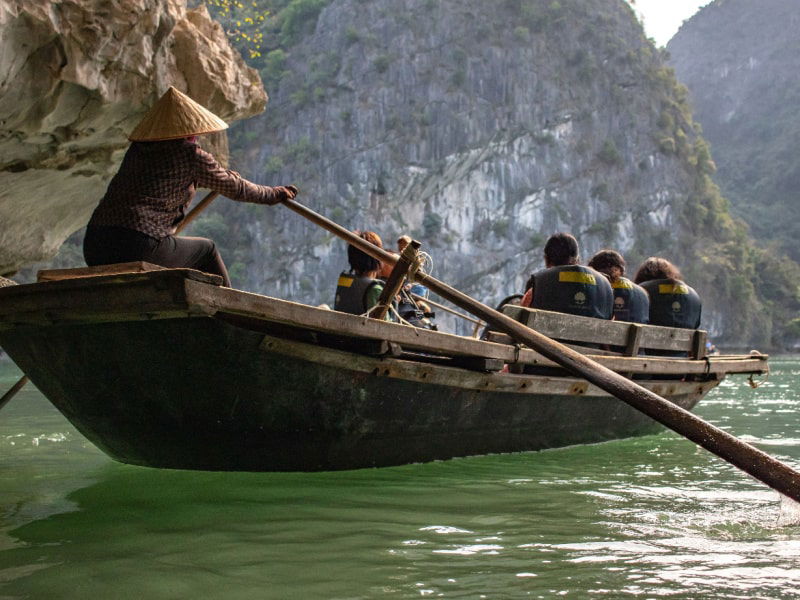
454,376
177,293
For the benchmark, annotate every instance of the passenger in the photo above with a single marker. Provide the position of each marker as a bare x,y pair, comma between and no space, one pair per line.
672,302
413,310
358,290
146,200
567,287
631,302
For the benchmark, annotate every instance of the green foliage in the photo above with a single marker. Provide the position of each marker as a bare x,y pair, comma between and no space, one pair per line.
500,227
431,226
351,35
458,78
381,63
301,152
609,153
298,18
273,165
274,68
522,34
243,22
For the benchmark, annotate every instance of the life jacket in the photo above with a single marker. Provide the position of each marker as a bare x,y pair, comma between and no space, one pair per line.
351,293
631,302
673,303
573,289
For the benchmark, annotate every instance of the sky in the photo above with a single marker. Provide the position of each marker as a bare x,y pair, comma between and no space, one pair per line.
663,18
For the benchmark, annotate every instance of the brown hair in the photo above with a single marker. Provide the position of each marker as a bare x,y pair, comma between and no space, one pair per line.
561,249
360,261
605,259
657,268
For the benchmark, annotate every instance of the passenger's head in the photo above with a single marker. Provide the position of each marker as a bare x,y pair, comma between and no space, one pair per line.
561,249
657,268
402,242
361,262
609,262
386,268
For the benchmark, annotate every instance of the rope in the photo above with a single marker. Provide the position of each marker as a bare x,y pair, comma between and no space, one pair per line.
423,263
390,308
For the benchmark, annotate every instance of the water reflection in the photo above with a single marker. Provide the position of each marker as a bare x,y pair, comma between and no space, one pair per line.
647,517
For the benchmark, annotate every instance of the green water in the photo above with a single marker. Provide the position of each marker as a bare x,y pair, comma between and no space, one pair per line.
652,517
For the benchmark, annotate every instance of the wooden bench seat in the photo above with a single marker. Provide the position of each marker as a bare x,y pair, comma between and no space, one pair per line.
119,269
624,339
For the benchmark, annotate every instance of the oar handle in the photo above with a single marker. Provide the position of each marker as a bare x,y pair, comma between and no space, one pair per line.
199,207
750,459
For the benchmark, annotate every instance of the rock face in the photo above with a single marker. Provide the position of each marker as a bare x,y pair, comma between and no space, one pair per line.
740,61
481,128
75,77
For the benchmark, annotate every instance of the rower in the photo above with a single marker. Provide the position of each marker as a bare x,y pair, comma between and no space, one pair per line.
146,200
566,286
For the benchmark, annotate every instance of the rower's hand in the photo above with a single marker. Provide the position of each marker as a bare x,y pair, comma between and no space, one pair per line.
284,193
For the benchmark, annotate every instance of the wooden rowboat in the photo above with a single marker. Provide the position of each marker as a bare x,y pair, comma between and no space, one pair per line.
166,368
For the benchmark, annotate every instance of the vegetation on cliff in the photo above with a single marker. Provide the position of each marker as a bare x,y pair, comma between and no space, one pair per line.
482,128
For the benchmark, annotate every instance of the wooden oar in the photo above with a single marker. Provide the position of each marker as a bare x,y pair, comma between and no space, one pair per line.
750,459
200,207
14,389
472,320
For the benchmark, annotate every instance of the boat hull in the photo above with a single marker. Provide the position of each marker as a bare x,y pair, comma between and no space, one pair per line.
202,393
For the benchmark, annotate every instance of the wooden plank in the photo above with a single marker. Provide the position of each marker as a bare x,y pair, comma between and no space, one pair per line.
457,377
477,363
168,294
635,332
201,297
699,345
132,296
573,328
113,269
502,338
122,269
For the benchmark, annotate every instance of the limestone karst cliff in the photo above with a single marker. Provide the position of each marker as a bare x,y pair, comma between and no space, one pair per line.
480,128
75,76
740,61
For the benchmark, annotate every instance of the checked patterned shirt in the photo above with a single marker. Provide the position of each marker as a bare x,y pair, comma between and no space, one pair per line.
156,182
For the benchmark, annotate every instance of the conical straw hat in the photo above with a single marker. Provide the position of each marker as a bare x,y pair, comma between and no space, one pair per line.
175,115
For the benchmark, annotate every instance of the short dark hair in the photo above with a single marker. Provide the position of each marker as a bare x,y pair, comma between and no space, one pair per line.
561,249
605,259
657,268
360,261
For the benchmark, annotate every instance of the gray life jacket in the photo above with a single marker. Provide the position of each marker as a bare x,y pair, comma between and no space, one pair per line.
631,302
673,304
573,289
351,293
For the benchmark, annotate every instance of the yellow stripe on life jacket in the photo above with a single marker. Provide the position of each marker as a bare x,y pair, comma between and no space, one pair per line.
345,281
672,288
576,277
622,284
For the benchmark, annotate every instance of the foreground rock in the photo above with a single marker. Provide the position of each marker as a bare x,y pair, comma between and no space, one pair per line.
75,77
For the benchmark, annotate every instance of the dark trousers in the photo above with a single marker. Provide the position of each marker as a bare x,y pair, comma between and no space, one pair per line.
109,245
